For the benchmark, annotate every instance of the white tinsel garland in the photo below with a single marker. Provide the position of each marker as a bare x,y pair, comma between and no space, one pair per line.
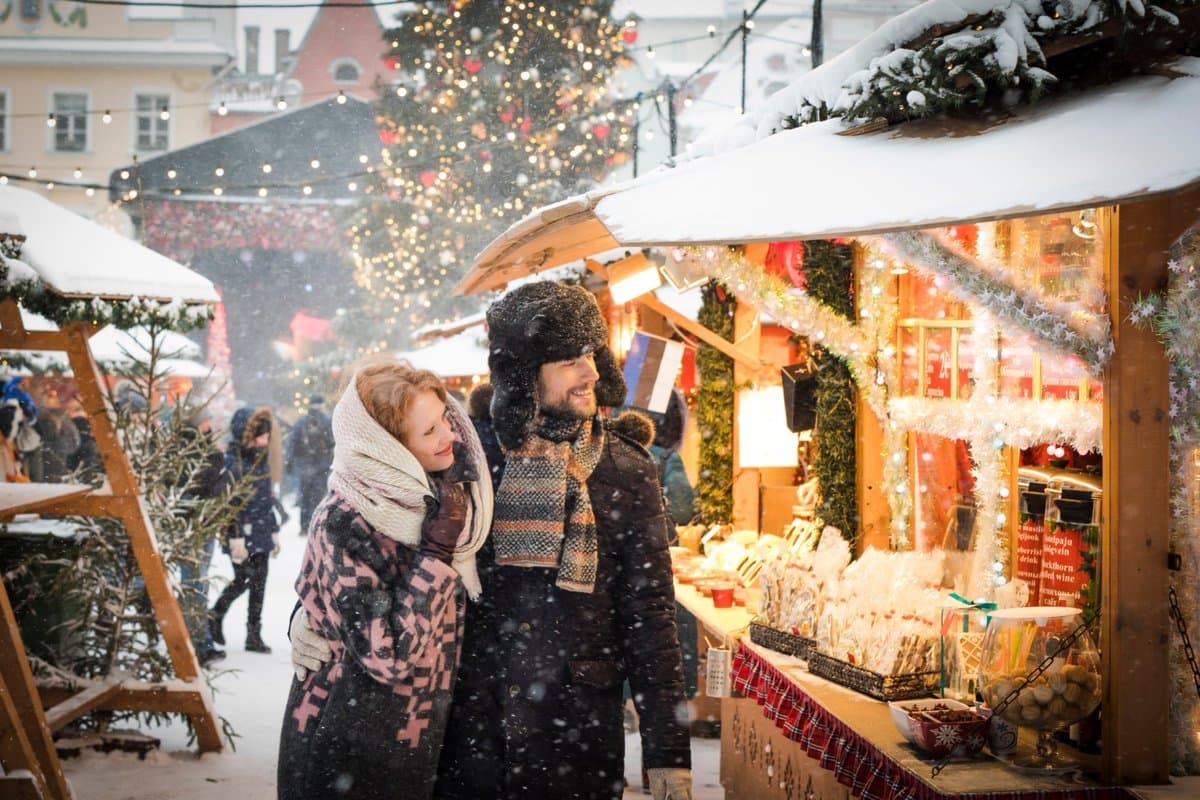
1065,329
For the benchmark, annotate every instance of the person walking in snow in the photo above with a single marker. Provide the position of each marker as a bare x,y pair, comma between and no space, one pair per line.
309,456
576,577
254,537
391,550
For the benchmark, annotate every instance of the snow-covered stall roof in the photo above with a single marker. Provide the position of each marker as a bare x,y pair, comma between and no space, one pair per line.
179,356
1131,139
75,257
461,355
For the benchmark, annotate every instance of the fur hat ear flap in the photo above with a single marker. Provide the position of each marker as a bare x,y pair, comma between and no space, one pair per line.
610,387
514,402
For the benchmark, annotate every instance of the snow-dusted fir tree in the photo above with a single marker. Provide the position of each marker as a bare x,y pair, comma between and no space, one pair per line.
108,623
495,109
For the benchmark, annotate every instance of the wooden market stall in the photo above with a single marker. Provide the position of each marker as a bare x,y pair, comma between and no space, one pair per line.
990,211
72,270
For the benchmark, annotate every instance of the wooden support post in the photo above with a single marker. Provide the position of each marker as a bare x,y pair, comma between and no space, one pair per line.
1135,628
132,512
25,741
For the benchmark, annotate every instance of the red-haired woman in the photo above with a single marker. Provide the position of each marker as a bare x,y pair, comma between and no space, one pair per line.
391,554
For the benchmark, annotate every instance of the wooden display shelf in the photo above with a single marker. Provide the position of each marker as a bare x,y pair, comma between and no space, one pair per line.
26,498
758,761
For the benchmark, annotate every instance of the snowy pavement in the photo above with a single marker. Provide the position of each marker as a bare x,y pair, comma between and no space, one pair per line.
250,692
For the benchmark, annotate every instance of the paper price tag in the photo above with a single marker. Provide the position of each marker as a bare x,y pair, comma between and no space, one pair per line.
717,673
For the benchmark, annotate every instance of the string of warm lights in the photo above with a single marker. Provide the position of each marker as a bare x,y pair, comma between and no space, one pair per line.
107,115
615,107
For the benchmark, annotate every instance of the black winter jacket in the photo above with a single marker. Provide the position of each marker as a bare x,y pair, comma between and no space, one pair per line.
537,708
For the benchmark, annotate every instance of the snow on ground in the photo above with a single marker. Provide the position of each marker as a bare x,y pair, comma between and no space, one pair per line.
250,692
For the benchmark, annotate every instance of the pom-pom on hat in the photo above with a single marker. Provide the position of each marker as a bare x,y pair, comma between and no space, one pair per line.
537,324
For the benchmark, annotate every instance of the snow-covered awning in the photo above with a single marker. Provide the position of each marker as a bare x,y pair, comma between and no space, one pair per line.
462,355
1132,139
178,355
75,257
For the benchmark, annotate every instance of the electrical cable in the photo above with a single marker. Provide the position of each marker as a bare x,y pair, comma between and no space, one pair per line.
732,35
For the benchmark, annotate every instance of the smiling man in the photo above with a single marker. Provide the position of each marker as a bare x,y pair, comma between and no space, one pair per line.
577,592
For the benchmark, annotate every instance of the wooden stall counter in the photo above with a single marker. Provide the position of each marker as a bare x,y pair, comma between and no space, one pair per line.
789,734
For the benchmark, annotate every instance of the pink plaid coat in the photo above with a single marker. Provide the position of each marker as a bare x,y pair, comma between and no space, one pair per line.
370,723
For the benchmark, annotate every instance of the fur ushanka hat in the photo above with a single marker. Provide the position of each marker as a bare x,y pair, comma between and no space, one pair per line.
536,324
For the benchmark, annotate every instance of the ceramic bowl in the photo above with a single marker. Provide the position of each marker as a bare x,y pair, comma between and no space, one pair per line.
902,708
942,734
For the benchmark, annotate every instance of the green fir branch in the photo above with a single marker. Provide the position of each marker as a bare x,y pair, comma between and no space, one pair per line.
714,410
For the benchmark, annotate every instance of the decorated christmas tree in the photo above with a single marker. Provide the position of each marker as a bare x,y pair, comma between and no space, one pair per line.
496,108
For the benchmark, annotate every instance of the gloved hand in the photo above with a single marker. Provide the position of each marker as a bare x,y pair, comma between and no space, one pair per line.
237,550
310,650
670,783
274,545
444,519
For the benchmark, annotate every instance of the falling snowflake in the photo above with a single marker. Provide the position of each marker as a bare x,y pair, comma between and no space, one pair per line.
946,736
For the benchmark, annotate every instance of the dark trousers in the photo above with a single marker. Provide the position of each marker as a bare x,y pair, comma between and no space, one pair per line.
312,491
250,574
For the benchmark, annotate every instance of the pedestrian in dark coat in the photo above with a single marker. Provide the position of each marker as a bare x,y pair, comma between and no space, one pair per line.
86,457
60,438
254,537
575,600
309,456
391,550
206,482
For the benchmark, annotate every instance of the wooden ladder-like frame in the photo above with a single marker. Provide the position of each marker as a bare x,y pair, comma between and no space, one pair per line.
25,724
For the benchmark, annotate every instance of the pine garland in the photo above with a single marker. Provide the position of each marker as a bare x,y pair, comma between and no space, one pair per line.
829,268
714,410
998,54
33,295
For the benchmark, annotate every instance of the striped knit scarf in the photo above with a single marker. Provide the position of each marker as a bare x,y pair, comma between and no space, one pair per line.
543,515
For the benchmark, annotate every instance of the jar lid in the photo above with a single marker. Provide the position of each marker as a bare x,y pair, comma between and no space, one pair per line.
1035,612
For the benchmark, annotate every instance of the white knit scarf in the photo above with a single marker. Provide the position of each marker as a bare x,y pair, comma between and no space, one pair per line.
385,483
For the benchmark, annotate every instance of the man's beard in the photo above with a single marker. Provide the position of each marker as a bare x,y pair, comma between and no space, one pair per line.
564,410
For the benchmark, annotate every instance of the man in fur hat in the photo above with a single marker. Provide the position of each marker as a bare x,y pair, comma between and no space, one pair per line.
577,591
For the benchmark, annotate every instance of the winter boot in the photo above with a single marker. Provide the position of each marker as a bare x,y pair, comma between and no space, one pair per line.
255,644
214,629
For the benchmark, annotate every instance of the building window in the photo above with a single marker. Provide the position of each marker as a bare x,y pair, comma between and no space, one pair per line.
3,120
153,132
346,71
70,122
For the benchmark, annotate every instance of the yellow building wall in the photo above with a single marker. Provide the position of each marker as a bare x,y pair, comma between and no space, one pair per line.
109,86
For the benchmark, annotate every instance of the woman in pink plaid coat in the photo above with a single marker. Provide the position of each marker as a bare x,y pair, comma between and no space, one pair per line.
390,562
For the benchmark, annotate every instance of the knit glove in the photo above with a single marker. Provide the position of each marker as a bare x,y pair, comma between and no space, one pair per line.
310,650
237,550
274,545
670,783
444,519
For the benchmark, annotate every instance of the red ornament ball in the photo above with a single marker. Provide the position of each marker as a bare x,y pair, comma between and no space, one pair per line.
629,35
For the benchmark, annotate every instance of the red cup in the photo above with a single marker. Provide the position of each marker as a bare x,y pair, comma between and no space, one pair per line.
722,595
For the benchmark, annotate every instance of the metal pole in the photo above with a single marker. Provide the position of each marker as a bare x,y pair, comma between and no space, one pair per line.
673,130
745,37
637,124
817,40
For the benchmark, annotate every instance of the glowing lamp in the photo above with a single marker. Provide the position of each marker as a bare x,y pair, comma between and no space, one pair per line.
763,436
632,277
